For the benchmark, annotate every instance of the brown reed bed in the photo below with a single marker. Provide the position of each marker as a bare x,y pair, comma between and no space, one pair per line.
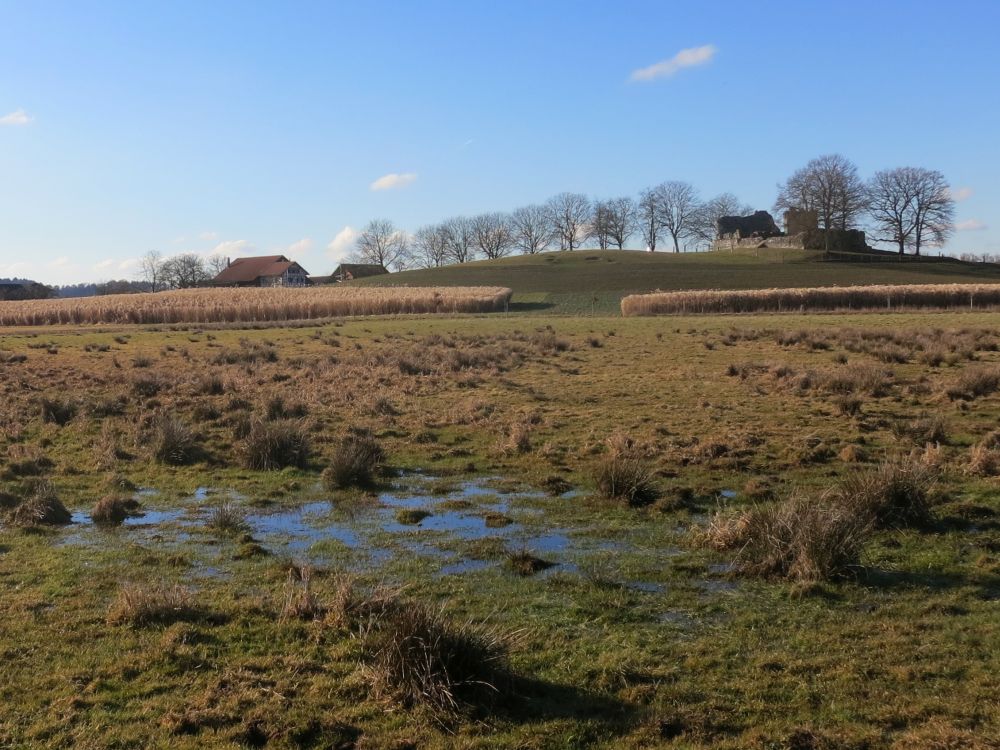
252,305
858,298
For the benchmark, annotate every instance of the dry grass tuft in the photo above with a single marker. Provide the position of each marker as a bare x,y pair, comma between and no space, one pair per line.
415,655
269,446
356,462
41,508
173,441
157,604
896,494
974,383
802,539
228,519
112,510
626,478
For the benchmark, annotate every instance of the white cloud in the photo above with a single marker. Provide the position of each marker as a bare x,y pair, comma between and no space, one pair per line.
686,58
17,117
393,181
970,225
209,236
296,250
104,264
342,244
961,194
16,269
60,262
128,265
231,248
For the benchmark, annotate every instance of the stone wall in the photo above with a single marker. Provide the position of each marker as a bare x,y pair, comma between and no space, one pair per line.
845,241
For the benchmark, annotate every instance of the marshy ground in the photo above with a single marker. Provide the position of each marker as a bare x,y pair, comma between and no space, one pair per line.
546,499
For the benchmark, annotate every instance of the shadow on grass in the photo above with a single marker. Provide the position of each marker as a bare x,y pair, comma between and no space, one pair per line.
535,700
529,306
908,579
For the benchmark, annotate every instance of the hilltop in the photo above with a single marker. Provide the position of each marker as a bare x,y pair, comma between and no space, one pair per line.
583,281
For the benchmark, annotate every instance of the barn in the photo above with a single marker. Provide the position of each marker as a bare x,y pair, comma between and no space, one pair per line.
264,270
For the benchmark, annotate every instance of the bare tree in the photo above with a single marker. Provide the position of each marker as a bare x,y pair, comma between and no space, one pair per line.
430,246
493,235
890,203
216,264
600,224
570,217
911,207
458,232
151,270
622,218
532,229
381,243
725,204
679,210
933,210
831,187
184,271
648,218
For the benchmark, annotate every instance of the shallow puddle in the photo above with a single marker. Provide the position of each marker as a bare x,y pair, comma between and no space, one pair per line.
370,536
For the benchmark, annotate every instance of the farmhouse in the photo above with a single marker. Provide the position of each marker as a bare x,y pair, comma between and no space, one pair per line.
264,270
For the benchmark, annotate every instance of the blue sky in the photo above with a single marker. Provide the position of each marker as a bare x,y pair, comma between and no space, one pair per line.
241,128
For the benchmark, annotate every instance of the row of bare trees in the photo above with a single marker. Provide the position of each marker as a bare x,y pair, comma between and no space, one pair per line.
907,207
671,211
178,271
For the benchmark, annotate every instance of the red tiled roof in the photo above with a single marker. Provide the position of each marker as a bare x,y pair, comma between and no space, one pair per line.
244,270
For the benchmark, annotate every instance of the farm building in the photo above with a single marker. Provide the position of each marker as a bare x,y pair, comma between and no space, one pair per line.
264,270
349,271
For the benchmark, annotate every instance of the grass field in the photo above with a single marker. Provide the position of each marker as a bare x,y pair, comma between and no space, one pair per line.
588,281
221,614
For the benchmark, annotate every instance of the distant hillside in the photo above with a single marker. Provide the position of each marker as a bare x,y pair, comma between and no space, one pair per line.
586,280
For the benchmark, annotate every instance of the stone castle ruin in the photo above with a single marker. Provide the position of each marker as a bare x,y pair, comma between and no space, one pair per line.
802,232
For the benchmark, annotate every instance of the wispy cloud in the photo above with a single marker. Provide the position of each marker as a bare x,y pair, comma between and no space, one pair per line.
208,236
231,247
970,225
104,264
296,250
686,58
960,194
393,180
61,262
128,265
342,244
17,117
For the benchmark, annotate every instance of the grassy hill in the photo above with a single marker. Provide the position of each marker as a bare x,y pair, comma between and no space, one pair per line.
592,280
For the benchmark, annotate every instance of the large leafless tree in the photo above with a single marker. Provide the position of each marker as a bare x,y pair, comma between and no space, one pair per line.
830,186
933,209
570,217
531,228
382,243
184,271
151,270
600,224
460,239
622,218
679,210
648,218
430,246
493,235
911,207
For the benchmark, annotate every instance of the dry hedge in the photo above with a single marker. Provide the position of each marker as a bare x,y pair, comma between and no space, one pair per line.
876,297
252,305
